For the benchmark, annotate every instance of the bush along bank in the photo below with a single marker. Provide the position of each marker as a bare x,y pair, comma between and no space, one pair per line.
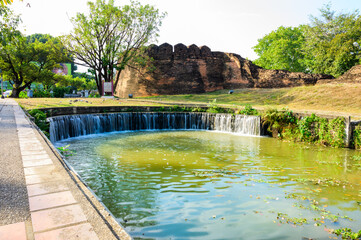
356,141
311,129
39,117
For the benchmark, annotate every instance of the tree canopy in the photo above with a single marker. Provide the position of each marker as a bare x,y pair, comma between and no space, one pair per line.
24,62
4,2
328,44
282,49
111,37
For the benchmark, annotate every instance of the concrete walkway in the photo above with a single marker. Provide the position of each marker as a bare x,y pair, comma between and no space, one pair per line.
39,197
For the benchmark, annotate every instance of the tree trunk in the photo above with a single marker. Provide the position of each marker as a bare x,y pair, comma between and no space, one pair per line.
17,90
98,79
15,93
100,89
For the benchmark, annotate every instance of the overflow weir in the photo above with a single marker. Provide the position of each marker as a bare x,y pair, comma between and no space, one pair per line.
68,126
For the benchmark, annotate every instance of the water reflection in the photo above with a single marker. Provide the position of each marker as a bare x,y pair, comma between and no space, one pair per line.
207,185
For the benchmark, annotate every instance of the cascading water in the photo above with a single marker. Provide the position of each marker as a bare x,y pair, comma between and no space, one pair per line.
63,127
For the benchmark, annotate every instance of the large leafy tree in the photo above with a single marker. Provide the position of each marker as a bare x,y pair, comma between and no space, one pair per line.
24,62
329,44
329,41
110,38
80,83
281,49
4,2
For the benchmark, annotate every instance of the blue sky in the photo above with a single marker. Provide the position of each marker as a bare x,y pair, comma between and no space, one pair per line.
223,25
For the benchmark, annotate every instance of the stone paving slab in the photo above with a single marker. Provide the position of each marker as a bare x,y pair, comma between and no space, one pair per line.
51,200
37,163
39,170
35,157
57,217
33,179
46,188
83,232
14,231
32,152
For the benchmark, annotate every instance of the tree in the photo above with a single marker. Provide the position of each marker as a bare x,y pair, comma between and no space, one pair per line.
328,45
111,38
43,38
4,2
282,49
80,83
330,39
23,62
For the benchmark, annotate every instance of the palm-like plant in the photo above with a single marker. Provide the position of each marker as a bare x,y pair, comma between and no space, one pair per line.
5,2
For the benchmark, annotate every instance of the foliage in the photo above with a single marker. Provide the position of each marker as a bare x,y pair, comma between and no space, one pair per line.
213,107
58,92
347,233
198,109
311,129
43,38
23,95
5,2
111,37
77,83
40,120
176,108
321,130
329,44
307,128
357,137
277,121
94,95
281,49
336,133
41,93
65,151
24,62
248,110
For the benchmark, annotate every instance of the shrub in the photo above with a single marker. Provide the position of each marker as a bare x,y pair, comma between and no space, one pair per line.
336,132
307,128
357,137
248,110
214,108
23,94
198,109
38,93
94,95
323,131
278,121
40,120
59,92
311,129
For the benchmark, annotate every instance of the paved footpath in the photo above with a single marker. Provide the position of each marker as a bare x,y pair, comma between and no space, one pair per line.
39,198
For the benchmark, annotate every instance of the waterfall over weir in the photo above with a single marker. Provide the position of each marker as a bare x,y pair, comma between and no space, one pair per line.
63,127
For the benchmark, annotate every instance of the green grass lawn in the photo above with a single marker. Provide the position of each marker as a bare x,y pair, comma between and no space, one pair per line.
343,99
336,99
33,103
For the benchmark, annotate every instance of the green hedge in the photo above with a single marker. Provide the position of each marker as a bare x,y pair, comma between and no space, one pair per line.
312,129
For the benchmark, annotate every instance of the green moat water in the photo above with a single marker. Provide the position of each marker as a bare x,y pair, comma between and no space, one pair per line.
209,185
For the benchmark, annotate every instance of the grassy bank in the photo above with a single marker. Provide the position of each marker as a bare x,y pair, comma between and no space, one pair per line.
336,99
35,103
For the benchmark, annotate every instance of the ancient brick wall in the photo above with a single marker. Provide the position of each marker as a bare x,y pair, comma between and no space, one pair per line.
187,70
